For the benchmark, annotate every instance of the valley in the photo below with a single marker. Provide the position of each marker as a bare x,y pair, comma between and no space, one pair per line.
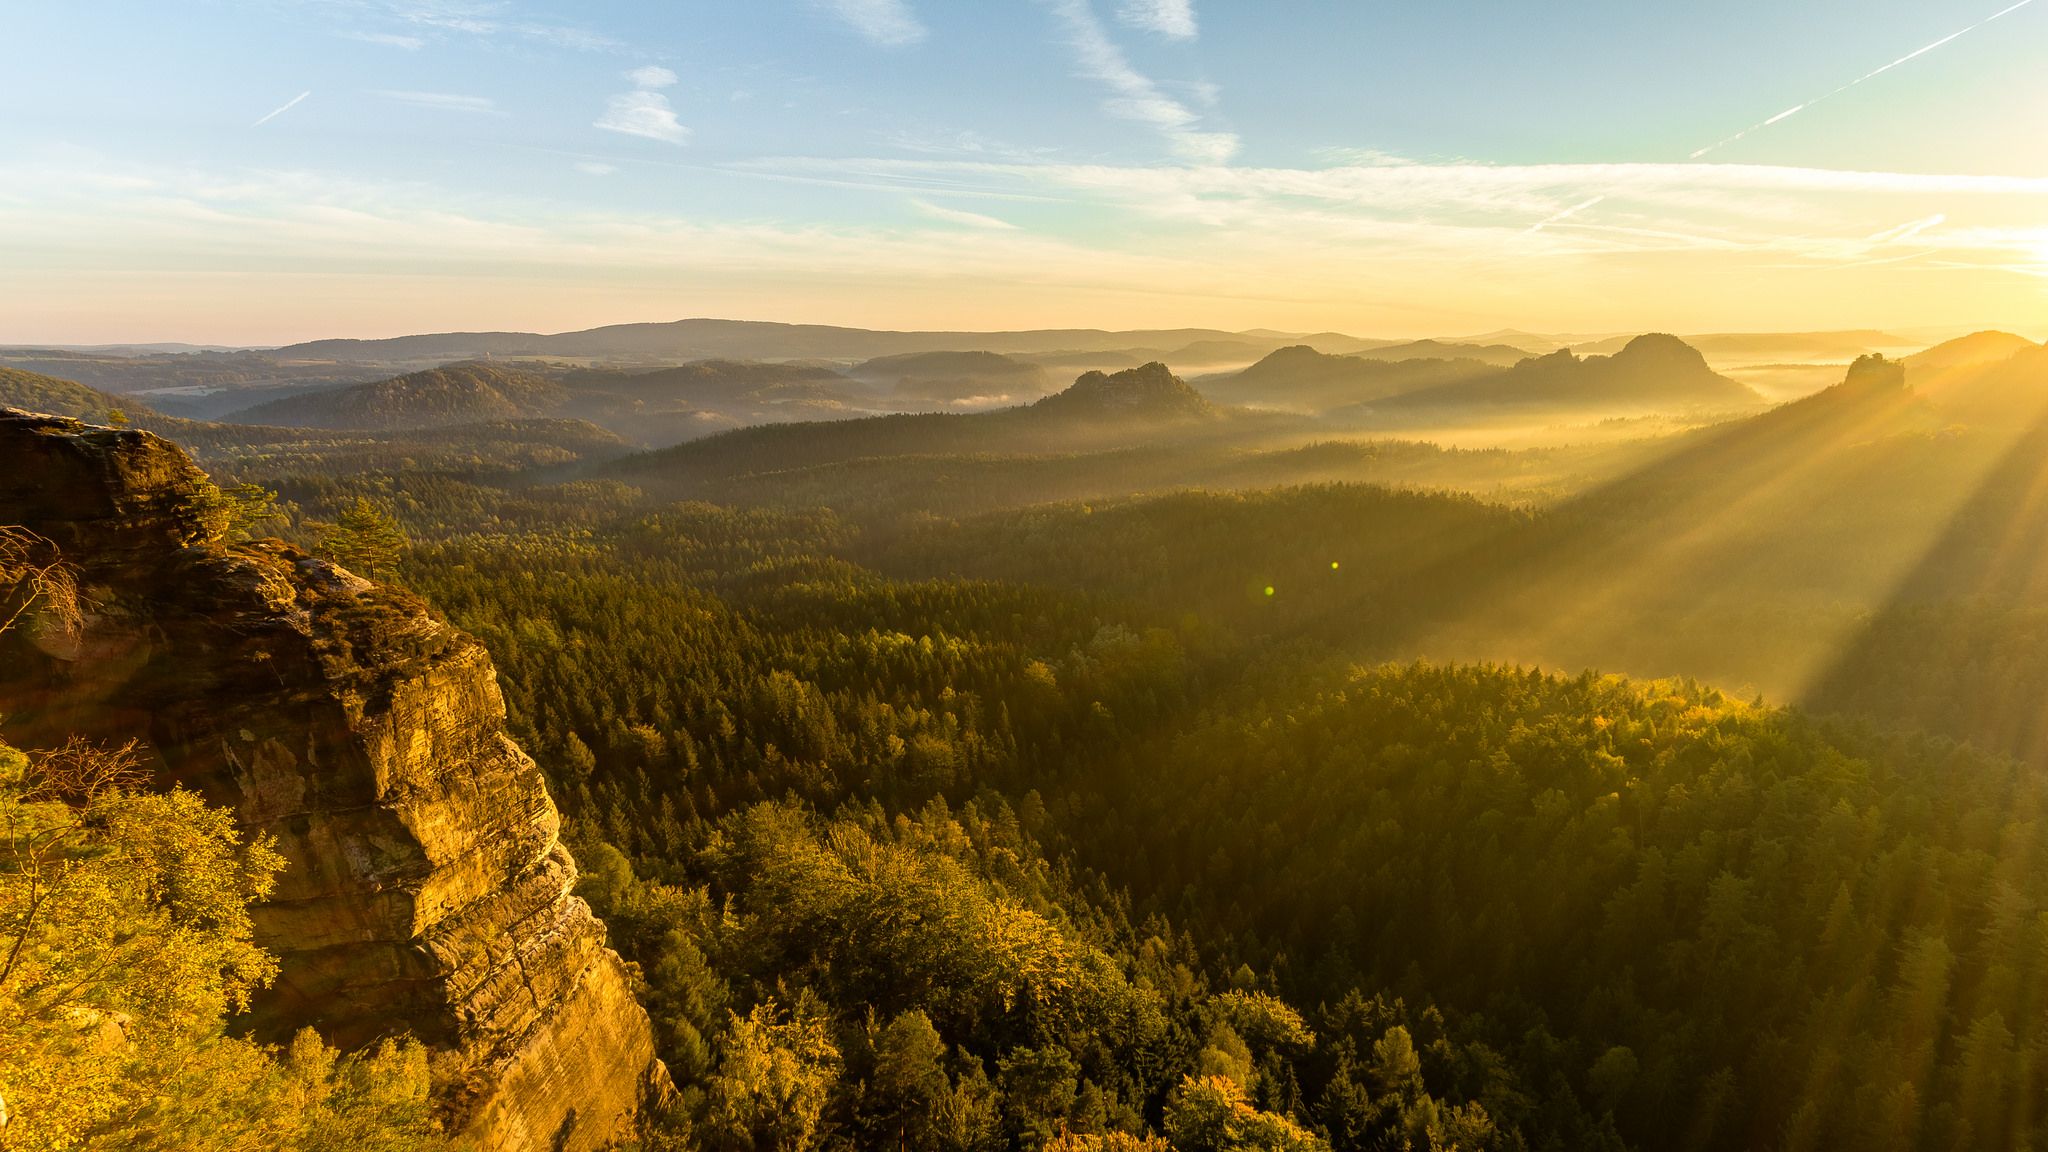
1185,701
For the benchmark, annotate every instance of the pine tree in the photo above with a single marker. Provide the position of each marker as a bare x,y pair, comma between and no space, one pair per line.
365,539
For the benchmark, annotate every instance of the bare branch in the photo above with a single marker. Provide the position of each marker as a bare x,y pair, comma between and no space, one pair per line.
34,576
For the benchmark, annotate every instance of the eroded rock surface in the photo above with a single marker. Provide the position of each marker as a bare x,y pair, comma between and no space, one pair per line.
426,890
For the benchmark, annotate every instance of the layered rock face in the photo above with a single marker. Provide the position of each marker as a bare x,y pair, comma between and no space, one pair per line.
426,891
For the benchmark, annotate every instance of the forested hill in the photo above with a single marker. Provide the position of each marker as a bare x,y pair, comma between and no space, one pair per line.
1803,553
1531,911
33,392
1755,546
1099,412
662,406
456,394
496,447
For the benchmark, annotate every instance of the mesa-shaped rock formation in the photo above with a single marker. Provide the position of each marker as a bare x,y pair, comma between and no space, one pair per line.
1148,390
426,891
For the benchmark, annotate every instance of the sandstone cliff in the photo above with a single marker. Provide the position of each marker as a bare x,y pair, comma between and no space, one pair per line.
426,890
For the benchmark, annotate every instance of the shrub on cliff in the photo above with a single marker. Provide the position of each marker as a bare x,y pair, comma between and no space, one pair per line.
124,947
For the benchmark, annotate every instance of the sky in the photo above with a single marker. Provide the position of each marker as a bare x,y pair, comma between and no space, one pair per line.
262,171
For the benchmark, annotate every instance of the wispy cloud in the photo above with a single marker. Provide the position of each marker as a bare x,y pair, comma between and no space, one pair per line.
477,19
442,101
1415,248
410,24
889,23
595,168
1482,212
1135,96
959,216
645,111
1372,157
388,39
652,76
564,36
281,109
1174,19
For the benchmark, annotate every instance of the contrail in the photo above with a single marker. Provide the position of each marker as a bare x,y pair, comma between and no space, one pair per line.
1909,230
1567,214
294,102
1788,113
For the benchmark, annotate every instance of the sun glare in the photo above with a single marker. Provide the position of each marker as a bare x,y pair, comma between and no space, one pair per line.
739,557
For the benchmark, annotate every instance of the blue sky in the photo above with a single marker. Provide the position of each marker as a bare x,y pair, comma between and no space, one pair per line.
263,170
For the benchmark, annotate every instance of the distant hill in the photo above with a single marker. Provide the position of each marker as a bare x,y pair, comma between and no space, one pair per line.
199,384
982,379
1109,361
705,383
1150,391
1499,355
1815,508
1968,351
1100,412
654,408
1217,352
1996,392
738,339
1335,343
34,392
1651,373
1531,343
1731,348
170,349
456,394
1300,377
485,446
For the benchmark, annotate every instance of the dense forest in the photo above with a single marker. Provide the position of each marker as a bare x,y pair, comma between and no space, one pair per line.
1170,782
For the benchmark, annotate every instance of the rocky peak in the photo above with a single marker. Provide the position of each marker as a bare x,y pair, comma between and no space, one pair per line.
1664,350
425,890
1875,374
113,495
1150,389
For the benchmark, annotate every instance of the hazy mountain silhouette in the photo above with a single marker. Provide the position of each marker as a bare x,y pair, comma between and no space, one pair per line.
956,377
701,339
1990,347
1498,355
1100,412
1769,347
1652,372
1301,377
1987,392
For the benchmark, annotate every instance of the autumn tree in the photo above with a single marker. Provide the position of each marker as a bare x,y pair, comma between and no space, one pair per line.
773,1081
